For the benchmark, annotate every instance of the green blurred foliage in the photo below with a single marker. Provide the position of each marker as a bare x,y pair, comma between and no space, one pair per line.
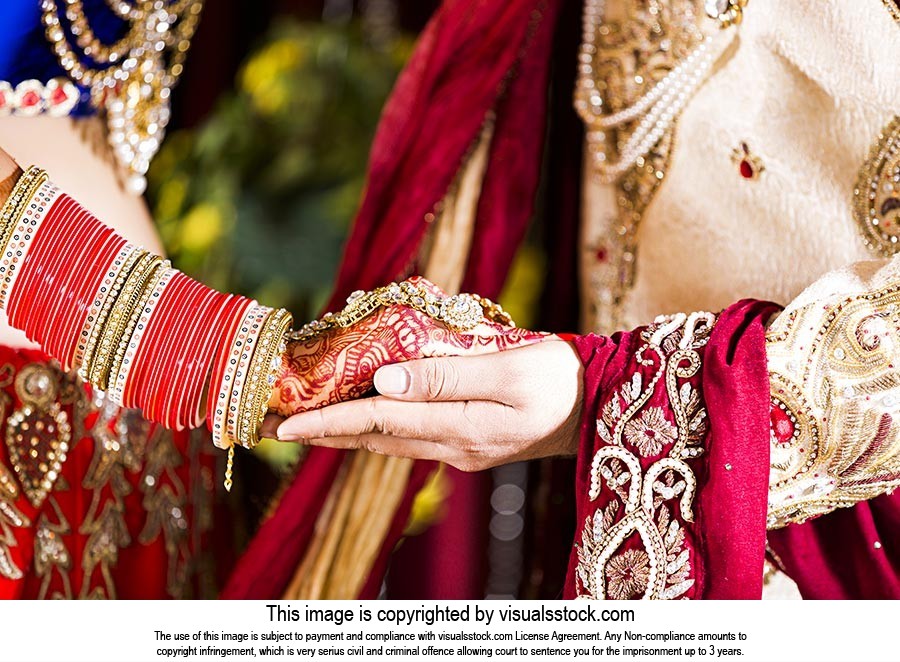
259,198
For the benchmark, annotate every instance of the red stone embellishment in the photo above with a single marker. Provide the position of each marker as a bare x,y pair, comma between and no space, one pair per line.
6,98
784,428
749,165
32,97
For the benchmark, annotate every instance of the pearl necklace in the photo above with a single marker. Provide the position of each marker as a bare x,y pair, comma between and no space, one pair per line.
656,110
132,78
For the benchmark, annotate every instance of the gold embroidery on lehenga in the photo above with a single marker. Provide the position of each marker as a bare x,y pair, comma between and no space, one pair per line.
10,518
51,553
37,433
876,196
622,60
165,502
609,563
104,524
835,431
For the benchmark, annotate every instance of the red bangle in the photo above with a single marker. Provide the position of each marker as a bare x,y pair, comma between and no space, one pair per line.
95,270
43,273
220,359
157,339
22,238
124,381
62,315
197,309
199,366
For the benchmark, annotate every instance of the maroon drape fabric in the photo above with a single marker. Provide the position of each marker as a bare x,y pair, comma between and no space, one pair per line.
475,56
852,553
726,539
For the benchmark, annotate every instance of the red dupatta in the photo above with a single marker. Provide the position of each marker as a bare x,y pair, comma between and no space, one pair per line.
474,57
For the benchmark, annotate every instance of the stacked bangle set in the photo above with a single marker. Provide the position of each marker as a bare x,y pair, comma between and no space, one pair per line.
146,334
153,338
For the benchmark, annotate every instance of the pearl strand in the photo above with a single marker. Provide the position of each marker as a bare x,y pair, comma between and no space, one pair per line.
658,108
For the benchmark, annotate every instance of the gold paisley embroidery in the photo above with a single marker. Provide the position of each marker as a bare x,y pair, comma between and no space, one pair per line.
836,408
104,525
633,546
876,197
10,516
38,432
38,436
165,502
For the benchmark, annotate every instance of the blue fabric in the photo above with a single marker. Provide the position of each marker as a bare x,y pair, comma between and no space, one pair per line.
25,52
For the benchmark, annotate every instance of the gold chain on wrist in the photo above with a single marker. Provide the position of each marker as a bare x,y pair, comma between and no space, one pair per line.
460,312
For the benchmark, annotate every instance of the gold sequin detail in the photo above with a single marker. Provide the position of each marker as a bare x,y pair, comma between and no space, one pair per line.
629,56
833,374
876,197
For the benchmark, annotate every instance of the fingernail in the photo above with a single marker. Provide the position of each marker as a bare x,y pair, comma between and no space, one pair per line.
285,433
392,380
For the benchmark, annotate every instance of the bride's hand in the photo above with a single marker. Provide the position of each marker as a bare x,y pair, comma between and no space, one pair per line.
340,364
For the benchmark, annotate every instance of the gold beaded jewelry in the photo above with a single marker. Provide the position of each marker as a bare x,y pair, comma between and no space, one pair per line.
131,79
257,389
460,312
155,273
118,319
16,203
91,346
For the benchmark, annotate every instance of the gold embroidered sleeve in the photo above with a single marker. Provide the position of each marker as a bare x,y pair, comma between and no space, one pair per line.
834,366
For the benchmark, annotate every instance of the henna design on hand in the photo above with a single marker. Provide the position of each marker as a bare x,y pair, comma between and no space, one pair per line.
340,364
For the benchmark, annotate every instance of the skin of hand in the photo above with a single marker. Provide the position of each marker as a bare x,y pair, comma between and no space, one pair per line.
341,364
7,168
472,412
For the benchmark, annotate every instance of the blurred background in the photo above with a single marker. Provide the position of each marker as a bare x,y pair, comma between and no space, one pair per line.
261,174
264,163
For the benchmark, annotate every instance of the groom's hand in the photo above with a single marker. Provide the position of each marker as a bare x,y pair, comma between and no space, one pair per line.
472,412
340,364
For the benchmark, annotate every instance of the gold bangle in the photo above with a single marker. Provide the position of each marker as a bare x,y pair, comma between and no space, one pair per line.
142,294
118,318
257,389
15,205
91,346
460,312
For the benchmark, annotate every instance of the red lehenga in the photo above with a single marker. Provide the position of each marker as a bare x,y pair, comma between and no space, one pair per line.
95,502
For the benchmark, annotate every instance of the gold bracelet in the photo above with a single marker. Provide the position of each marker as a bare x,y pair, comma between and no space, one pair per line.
460,312
257,389
15,205
91,346
118,318
143,292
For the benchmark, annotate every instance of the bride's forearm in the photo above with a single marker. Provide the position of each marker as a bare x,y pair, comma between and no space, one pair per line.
9,175
145,333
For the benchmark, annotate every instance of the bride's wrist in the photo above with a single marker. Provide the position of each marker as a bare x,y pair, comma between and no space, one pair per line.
9,175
